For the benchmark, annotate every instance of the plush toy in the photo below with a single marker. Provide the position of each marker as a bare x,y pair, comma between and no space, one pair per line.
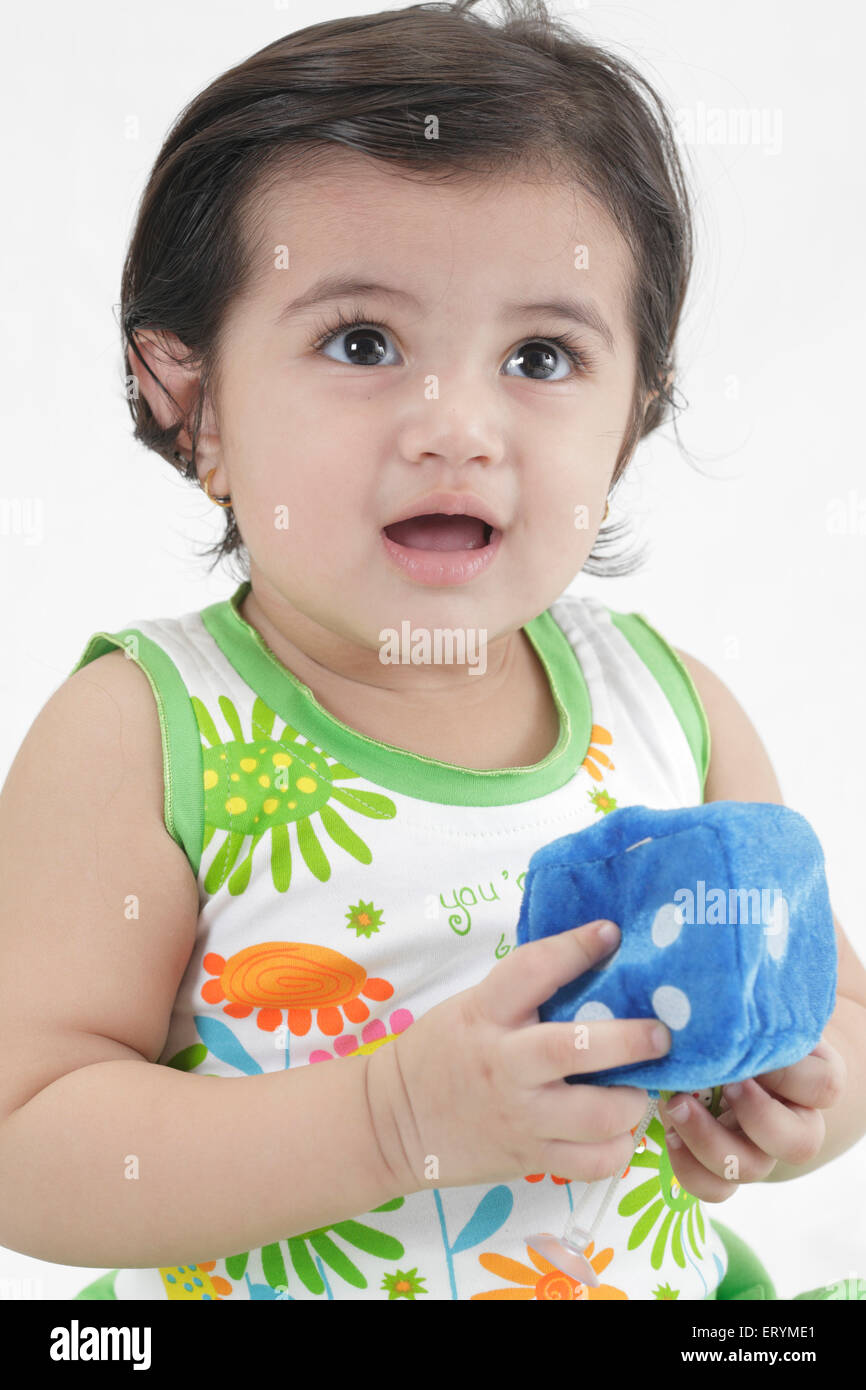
726,929
727,936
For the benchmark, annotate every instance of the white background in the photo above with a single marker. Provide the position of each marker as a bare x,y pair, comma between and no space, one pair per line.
746,569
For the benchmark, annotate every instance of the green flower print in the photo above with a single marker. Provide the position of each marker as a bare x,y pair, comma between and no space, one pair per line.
261,785
662,1196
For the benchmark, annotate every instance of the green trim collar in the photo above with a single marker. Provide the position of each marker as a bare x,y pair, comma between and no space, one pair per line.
395,768
676,682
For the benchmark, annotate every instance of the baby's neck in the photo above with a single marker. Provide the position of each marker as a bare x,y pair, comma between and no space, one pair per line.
473,725
482,735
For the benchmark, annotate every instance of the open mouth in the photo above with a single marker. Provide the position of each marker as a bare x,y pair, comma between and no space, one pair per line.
436,531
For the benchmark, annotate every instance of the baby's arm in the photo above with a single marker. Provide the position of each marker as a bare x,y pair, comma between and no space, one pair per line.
107,1159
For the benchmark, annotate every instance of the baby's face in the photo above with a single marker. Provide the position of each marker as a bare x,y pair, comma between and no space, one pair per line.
322,449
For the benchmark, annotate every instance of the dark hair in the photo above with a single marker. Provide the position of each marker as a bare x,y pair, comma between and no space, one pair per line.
529,92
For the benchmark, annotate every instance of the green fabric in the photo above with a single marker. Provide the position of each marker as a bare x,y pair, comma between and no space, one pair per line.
103,1287
849,1289
746,1277
675,681
183,811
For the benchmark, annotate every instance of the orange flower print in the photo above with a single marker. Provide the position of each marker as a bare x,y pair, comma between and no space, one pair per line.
594,755
296,976
545,1281
536,1177
373,1035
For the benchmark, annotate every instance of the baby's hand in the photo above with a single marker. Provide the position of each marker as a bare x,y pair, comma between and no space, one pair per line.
776,1117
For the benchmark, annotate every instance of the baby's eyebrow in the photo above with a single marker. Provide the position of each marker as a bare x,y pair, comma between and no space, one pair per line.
583,311
341,287
330,287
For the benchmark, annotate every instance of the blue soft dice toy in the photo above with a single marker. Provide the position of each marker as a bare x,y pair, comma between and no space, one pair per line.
726,928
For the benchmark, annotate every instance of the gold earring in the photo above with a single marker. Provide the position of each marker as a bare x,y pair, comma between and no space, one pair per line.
220,503
606,510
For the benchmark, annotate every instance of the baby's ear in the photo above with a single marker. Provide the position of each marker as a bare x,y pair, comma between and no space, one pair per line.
651,395
164,355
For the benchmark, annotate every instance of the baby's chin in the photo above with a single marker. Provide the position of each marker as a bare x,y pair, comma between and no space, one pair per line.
356,594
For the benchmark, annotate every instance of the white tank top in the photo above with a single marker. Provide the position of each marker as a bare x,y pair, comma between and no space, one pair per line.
347,886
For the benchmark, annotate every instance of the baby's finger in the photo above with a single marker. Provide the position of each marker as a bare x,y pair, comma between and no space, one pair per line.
732,1157
792,1134
520,983
691,1173
551,1051
818,1081
694,1178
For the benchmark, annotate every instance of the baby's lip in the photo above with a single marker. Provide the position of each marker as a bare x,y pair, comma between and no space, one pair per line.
449,504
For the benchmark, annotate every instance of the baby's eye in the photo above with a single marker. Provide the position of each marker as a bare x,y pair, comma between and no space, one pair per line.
364,345
537,356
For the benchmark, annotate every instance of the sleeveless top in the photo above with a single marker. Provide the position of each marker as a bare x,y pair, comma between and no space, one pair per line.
398,880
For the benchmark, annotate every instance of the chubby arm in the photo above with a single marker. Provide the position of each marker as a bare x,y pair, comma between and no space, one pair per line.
740,770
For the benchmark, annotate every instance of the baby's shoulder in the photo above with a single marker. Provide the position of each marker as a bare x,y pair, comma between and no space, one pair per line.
97,744
114,692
